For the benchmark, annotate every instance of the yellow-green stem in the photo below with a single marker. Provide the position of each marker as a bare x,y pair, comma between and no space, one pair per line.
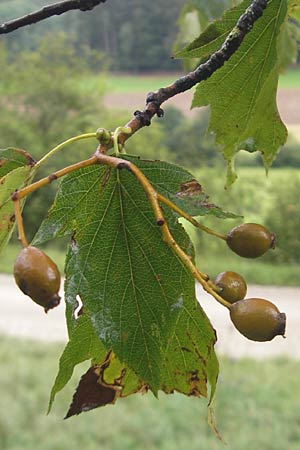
19,220
116,133
54,176
186,216
62,145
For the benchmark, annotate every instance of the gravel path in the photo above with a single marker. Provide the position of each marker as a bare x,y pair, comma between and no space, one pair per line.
22,318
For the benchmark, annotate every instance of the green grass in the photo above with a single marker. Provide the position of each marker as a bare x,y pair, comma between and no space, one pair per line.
290,79
10,253
123,83
139,83
257,406
254,271
131,83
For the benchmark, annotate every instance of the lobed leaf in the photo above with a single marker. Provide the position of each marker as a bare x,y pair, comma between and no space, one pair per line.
178,185
242,94
133,287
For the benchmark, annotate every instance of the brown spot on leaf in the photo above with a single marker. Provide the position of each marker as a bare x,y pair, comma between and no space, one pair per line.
91,393
196,349
186,349
29,159
197,385
189,188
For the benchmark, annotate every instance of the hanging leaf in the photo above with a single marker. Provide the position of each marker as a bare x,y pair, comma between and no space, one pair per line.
132,285
247,116
16,171
84,345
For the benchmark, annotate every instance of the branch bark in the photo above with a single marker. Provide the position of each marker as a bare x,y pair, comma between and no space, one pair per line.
55,9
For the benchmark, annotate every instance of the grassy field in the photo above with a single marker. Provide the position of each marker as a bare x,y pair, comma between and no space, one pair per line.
255,272
10,253
130,83
257,406
290,79
123,83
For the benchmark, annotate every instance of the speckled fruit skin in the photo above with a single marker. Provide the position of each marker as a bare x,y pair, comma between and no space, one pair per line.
233,286
38,277
257,319
250,240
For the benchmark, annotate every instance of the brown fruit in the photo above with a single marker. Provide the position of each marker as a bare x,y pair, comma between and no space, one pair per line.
38,277
232,286
250,240
257,319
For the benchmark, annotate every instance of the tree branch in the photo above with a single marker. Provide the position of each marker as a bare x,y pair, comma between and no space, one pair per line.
233,41
48,11
154,100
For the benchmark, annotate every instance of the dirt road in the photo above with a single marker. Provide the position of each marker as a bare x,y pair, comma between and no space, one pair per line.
22,318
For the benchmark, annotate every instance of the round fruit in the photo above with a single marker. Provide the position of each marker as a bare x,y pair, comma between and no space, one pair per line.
250,240
232,286
257,319
38,277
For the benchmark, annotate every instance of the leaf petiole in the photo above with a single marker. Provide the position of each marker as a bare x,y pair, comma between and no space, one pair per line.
186,216
18,195
62,145
116,133
19,220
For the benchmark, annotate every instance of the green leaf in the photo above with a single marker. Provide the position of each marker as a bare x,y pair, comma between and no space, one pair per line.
83,345
132,285
17,171
179,186
294,9
212,38
242,94
12,158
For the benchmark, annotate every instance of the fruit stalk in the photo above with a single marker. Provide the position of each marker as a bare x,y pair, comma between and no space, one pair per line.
20,225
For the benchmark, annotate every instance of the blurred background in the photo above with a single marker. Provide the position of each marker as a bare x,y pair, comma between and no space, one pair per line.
56,84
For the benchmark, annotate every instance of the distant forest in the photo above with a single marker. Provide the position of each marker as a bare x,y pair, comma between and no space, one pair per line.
134,35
